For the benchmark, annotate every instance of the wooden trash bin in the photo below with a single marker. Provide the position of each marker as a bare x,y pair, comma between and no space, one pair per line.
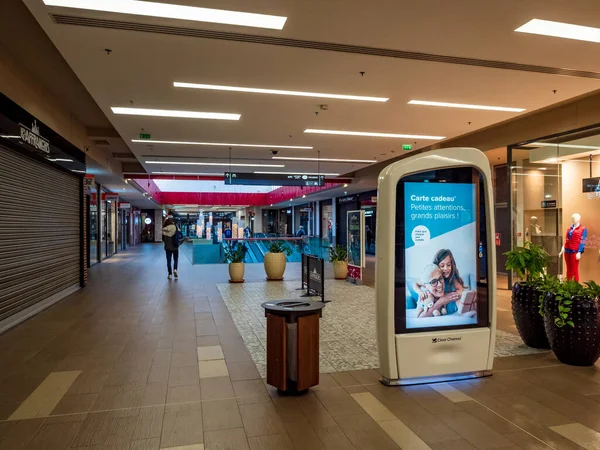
293,344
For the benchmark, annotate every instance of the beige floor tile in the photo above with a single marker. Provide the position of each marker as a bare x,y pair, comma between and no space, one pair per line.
580,434
48,394
373,407
182,425
403,436
210,353
212,369
450,392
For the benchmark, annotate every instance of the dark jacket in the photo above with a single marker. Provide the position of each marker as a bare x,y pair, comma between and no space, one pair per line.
169,237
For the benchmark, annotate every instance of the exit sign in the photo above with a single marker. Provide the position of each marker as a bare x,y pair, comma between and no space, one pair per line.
145,136
407,147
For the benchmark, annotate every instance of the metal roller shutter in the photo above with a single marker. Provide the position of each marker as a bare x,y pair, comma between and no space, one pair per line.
40,224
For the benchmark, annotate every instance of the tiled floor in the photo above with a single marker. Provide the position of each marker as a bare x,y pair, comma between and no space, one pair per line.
343,347
139,363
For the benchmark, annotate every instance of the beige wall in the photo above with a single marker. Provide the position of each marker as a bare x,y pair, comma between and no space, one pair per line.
588,206
23,88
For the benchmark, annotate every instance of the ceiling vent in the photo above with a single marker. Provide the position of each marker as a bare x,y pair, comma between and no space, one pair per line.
62,19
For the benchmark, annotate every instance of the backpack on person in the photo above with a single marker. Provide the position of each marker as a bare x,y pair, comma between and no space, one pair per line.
178,238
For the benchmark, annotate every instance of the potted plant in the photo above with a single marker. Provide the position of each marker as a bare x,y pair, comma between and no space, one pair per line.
275,260
529,262
234,255
572,320
338,255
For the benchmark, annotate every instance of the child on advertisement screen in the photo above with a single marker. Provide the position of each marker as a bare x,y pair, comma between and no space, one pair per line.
453,283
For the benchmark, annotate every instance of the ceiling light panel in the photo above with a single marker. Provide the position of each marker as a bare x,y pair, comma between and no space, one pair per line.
293,158
297,173
220,144
213,87
188,163
370,134
170,11
561,30
465,106
172,113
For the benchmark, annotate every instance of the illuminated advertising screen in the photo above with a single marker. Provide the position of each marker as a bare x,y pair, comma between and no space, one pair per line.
441,245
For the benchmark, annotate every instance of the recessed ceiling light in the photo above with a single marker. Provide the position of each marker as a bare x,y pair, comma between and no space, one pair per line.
169,11
78,171
60,160
170,113
220,144
293,158
545,144
465,106
296,173
187,163
370,134
304,196
561,30
278,92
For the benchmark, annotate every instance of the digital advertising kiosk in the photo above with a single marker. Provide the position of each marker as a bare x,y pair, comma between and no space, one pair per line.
436,268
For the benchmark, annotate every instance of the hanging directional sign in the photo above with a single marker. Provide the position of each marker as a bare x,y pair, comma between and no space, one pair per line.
257,179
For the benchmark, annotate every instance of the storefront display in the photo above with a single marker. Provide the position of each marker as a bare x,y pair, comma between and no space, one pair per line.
553,180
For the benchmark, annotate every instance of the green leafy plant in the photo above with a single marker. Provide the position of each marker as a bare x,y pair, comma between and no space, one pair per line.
564,294
280,247
338,253
545,284
235,253
591,290
529,261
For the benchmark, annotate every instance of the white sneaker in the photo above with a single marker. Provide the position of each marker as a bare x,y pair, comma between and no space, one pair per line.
170,277
175,273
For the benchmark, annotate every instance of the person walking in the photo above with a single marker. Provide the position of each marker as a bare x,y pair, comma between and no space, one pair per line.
171,241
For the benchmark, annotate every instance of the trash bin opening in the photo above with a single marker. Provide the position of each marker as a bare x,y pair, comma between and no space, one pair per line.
293,304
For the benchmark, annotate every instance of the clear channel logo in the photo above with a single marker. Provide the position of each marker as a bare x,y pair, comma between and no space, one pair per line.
448,339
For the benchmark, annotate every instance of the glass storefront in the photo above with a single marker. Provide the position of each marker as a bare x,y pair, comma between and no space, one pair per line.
91,193
555,182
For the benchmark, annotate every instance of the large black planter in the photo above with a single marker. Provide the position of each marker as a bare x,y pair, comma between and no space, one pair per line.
579,346
526,312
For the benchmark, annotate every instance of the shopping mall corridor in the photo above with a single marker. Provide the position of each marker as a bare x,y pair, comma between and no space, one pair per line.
137,362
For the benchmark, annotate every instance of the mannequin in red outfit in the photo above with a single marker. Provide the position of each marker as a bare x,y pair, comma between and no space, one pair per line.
574,247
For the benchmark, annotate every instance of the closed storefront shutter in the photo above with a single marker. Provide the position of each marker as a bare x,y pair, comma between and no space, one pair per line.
40,208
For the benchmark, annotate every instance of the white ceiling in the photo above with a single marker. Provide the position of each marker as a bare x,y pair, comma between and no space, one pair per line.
143,66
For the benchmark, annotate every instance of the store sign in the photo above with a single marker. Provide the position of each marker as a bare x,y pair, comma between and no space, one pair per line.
124,205
374,199
549,204
88,180
112,197
315,269
32,137
348,199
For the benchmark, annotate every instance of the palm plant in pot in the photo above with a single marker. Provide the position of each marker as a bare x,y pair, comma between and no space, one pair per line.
234,255
529,262
338,255
572,320
275,260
